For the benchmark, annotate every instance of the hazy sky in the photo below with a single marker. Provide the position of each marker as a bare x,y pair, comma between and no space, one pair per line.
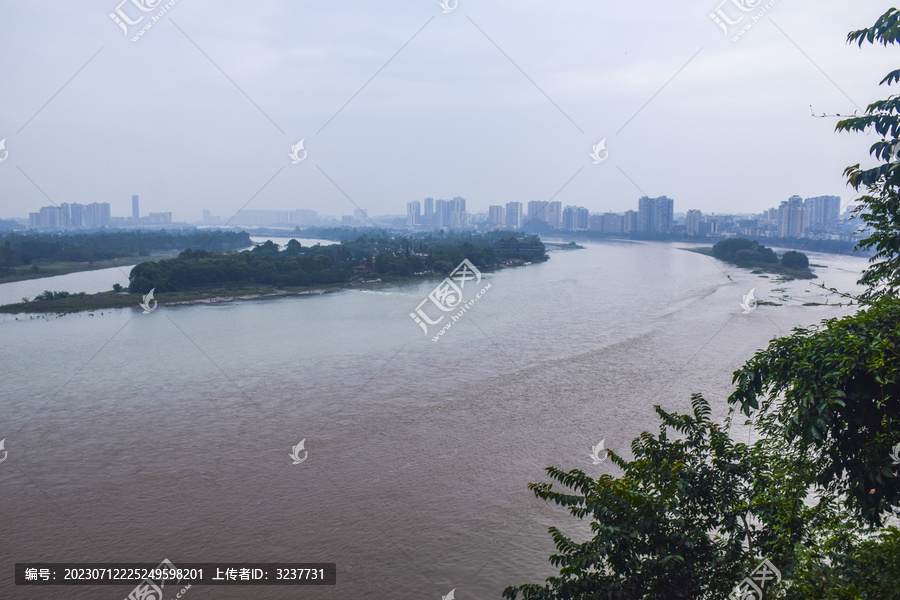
493,101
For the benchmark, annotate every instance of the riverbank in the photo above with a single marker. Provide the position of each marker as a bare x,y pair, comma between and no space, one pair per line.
111,300
40,269
209,295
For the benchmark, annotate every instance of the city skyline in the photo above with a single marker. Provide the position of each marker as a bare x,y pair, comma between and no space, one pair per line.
387,115
818,216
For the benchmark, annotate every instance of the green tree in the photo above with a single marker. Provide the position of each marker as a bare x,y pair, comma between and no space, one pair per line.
880,206
795,260
835,389
688,517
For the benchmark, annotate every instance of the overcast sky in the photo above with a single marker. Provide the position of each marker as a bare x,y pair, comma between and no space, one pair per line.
493,101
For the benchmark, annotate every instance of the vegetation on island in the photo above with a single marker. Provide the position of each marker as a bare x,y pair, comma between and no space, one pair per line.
197,275
753,255
25,256
695,512
369,256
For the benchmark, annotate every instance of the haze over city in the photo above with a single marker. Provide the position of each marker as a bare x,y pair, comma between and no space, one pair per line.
494,102
450,299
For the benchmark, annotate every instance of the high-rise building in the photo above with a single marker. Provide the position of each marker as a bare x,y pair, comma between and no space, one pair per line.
160,218
441,214
513,215
612,223
65,216
790,217
537,211
53,217
360,216
496,215
568,218
135,208
820,211
303,216
457,213
96,215
655,214
554,214
582,218
69,216
692,222
413,214
76,216
575,218
429,213
629,221
210,219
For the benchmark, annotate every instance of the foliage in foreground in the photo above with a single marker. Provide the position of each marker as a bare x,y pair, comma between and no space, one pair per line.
684,520
879,208
834,391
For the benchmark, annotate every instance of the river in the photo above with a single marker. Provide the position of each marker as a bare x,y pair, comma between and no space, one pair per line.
135,437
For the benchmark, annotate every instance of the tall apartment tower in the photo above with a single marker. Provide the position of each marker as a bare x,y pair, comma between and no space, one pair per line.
537,210
135,209
692,222
655,214
790,217
496,215
629,221
429,213
513,215
554,212
413,214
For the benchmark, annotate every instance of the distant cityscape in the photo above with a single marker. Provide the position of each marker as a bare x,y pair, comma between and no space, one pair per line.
95,215
818,217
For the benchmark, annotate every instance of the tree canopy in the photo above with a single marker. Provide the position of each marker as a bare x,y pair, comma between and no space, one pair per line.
381,256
